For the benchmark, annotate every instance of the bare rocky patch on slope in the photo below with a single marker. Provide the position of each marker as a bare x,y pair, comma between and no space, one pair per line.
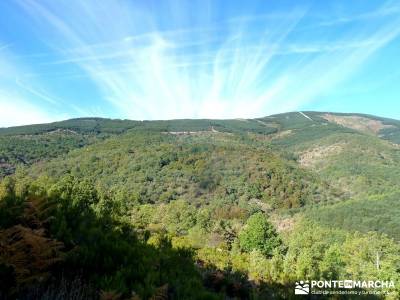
312,156
357,123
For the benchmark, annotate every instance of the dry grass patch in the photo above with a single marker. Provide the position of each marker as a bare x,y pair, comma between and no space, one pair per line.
312,156
357,123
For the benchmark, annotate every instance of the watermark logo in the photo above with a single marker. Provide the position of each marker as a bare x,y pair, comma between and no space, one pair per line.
348,287
302,288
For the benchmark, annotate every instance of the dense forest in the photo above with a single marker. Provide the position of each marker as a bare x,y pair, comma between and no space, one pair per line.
198,209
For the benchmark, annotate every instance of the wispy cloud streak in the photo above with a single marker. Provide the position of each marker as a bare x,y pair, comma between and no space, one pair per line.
243,66
22,103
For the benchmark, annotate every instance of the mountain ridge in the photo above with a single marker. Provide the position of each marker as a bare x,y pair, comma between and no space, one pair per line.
2,129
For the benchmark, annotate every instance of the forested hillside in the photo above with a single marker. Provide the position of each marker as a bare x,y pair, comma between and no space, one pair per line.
28,144
198,209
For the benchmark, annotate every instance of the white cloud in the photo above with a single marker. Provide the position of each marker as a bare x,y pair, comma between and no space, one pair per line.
25,101
243,67
16,111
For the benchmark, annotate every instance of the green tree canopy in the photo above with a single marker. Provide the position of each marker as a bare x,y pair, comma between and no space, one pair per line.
259,234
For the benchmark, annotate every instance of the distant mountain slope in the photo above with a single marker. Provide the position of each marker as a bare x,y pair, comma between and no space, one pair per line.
24,145
352,150
356,153
82,125
100,125
148,167
28,144
384,128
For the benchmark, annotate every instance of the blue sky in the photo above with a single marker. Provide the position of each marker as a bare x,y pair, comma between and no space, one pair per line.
196,59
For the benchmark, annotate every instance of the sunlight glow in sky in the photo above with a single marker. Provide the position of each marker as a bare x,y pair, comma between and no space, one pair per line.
196,59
